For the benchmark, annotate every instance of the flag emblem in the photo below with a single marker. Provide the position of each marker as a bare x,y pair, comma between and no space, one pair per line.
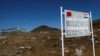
86,16
69,14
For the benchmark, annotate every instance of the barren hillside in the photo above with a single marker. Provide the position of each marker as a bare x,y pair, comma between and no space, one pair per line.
46,41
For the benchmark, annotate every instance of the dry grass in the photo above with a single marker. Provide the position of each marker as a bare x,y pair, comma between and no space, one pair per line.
37,44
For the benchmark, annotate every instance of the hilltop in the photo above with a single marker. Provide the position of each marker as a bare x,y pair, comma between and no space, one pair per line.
44,28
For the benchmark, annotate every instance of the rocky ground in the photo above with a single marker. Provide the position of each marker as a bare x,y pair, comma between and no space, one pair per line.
47,44
42,44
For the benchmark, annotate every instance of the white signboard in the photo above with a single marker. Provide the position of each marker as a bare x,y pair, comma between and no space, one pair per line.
76,23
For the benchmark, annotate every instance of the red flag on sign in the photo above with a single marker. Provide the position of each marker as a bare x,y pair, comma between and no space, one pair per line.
69,14
85,14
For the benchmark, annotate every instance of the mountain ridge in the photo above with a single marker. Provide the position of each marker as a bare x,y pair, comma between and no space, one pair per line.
44,28
96,24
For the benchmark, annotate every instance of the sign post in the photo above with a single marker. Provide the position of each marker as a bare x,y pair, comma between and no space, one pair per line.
76,24
93,44
62,35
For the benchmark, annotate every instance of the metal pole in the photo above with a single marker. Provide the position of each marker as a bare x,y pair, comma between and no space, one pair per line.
92,34
62,36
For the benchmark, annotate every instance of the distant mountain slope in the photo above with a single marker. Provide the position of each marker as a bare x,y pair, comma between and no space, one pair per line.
44,28
96,24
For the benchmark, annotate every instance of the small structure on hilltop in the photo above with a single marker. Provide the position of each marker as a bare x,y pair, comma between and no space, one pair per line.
10,30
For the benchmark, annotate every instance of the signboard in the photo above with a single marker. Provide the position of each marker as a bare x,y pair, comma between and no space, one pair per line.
76,23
